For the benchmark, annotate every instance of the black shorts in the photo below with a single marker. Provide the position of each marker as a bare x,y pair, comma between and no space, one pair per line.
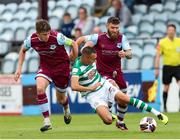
169,72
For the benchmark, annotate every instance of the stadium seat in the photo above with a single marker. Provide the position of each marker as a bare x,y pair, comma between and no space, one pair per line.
20,34
63,4
7,14
132,29
25,6
170,6
103,19
147,62
12,7
163,17
102,26
96,20
156,8
160,26
73,9
150,41
35,4
90,2
134,63
32,13
149,49
51,4
136,49
58,11
144,34
9,63
158,34
30,30
174,17
140,9
136,18
138,42
146,27
7,34
147,18
4,47
20,14
8,66
55,22
2,7
33,64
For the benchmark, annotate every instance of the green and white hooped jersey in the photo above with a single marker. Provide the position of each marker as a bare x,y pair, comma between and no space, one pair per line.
88,75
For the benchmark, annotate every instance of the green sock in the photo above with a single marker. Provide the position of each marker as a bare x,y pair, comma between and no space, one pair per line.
140,104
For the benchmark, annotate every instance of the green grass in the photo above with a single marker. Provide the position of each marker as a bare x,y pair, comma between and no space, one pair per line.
85,127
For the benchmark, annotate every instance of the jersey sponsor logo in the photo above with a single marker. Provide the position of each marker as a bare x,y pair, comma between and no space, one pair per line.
109,52
52,47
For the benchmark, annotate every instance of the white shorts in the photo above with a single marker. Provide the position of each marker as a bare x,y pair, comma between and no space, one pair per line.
102,96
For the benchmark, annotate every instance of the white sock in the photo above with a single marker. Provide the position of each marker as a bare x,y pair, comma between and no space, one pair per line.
155,112
47,121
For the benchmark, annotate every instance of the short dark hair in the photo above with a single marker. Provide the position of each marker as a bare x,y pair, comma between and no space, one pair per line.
42,26
78,29
113,20
67,14
88,50
171,25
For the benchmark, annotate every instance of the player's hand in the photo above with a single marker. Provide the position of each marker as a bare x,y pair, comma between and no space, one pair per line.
17,75
122,54
94,87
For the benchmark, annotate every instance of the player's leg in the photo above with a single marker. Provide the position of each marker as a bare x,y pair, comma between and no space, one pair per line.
104,114
42,84
99,102
121,108
61,83
177,76
120,97
166,78
165,96
62,99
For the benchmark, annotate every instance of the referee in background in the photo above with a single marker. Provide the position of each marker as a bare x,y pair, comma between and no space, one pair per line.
169,48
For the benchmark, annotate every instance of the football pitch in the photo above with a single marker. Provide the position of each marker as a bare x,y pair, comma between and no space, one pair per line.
85,127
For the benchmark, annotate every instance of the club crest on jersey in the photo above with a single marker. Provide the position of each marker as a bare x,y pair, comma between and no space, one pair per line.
91,74
119,45
52,47
102,45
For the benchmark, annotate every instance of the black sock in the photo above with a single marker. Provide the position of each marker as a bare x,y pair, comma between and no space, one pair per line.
165,99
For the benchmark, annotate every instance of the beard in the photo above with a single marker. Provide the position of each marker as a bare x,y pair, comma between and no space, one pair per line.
113,36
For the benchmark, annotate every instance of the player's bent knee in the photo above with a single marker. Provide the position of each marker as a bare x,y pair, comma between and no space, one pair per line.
108,120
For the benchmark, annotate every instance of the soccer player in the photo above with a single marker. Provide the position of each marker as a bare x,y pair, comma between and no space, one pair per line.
169,48
54,67
110,48
98,91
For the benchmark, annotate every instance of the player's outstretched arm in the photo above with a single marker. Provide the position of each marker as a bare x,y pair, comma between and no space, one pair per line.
80,40
156,64
77,87
74,52
22,53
